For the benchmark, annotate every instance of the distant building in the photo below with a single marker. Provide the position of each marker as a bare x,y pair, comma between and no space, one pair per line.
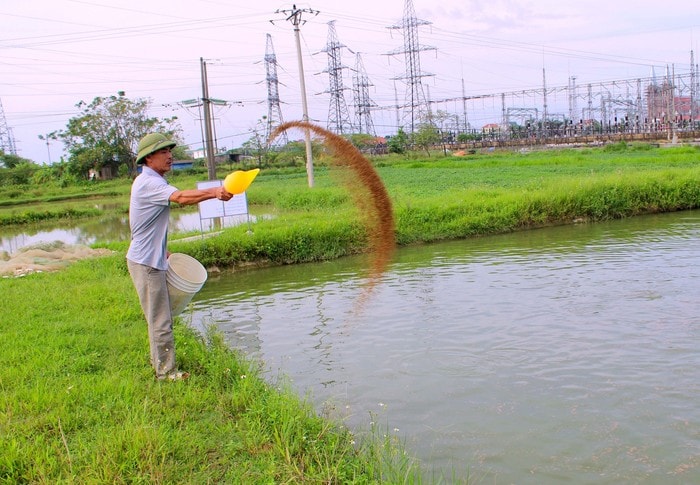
664,106
491,129
182,164
198,153
201,153
177,165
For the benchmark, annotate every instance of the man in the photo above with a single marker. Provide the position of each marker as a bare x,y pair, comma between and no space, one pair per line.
149,213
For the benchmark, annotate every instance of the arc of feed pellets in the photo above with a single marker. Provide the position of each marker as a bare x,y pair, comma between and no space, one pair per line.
368,191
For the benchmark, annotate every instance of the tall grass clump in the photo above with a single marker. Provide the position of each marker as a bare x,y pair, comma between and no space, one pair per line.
478,211
294,238
299,197
30,217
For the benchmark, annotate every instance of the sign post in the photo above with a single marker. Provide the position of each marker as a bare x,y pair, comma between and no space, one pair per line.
219,209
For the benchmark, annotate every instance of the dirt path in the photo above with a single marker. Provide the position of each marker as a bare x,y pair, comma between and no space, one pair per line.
44,257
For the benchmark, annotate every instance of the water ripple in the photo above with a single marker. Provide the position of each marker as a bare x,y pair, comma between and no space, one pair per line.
562,355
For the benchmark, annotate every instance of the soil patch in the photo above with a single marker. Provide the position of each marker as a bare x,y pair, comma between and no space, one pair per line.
45,257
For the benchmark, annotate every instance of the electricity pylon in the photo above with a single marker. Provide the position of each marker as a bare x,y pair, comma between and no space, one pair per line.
274,112
7,141
338,115
363,103
416,106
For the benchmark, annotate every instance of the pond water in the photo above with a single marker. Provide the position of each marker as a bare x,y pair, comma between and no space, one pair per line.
561,355
109,228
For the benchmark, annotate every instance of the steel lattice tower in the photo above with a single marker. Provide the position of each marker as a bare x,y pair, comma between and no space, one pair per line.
274,112
363,103
416,106
693,88
338,115
7,141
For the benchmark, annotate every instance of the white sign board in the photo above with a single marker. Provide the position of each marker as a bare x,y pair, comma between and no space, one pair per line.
214,208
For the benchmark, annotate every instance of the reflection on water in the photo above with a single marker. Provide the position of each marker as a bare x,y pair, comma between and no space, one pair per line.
109,228
562,355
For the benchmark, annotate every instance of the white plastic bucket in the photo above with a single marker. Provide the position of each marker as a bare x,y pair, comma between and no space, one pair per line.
185,277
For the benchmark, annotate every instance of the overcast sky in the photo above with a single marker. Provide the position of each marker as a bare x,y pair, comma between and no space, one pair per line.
55,53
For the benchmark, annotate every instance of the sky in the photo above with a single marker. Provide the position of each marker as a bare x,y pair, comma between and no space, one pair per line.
56,53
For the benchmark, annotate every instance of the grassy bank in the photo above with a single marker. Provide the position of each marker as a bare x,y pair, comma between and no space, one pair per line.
79,403
456,198
417,186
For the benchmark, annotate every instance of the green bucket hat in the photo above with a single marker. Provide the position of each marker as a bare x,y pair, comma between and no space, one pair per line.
152,143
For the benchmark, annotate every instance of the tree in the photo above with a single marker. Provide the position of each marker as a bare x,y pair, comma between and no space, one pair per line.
399,142
257,144
467,137
438,120
363,141
15,170
107,133
426,136
8,160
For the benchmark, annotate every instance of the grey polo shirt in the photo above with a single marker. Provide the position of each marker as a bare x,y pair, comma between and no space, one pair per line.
149,213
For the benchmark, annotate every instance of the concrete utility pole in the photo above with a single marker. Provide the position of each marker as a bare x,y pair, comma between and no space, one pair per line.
48,148
464,108
294,16
545,113
672,101
693,90
208,139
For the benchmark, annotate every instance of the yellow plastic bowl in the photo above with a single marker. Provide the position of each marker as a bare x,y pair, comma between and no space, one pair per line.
237,182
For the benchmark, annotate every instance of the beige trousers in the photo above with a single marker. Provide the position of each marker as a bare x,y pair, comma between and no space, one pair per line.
152,289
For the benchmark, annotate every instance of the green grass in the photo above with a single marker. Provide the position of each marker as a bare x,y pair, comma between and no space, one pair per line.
79,402
454,198
434,199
